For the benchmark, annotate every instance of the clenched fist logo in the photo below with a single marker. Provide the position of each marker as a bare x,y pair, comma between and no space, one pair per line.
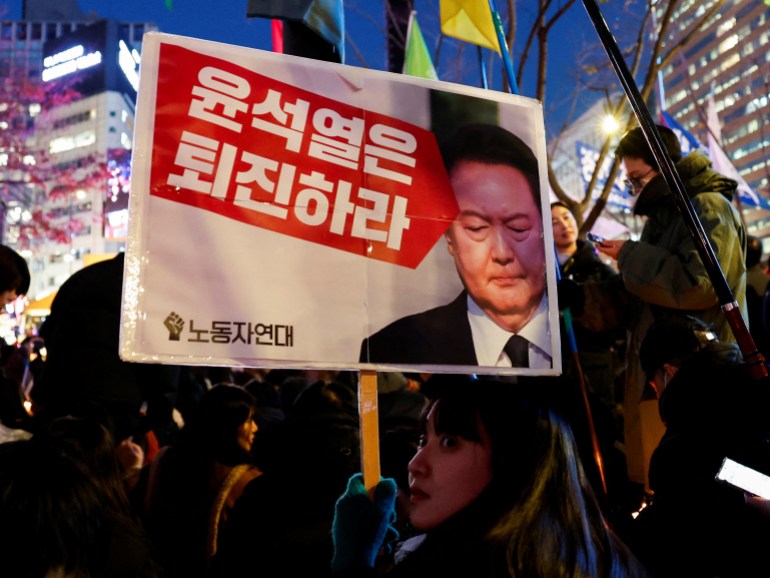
174,323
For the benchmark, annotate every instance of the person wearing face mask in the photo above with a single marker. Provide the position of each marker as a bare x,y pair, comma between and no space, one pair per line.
496,490
662,272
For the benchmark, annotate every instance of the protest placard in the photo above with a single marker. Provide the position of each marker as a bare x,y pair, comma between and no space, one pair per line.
284,210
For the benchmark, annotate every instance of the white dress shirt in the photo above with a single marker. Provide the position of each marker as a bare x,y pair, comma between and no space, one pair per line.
489,338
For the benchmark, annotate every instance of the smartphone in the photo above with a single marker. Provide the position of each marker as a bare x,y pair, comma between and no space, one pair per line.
745,478
595,238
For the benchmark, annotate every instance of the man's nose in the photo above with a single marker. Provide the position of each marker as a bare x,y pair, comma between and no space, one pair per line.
502,249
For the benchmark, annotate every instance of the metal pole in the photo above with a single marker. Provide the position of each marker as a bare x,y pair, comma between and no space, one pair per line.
500,31
484,83
566,315
729,306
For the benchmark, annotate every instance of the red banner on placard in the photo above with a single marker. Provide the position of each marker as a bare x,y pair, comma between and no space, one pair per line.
270,154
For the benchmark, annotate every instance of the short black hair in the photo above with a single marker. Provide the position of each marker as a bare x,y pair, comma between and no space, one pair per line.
561,204
493,145
14,273
633,144
674,339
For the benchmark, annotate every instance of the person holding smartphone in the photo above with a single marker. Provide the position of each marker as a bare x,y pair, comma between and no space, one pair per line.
580,261
694,524
662,271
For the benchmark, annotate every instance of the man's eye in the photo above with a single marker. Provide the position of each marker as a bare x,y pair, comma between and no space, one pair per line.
475,228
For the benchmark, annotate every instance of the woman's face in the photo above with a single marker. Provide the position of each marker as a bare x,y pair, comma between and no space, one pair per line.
246,433
446,474
565,229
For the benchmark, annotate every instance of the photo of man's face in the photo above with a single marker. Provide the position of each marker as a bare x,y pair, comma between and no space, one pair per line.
497,241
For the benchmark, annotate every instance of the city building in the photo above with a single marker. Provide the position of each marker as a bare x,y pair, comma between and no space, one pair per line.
728,58
89,138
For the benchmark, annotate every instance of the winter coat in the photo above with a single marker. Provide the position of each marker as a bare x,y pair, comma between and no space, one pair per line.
662,271
599,355
695,525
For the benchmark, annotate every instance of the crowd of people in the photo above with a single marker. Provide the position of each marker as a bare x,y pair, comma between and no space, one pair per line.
123,470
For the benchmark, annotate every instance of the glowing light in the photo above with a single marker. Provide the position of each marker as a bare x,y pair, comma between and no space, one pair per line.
610,124
69,61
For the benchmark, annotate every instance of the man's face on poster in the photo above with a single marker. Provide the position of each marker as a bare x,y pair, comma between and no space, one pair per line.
497,241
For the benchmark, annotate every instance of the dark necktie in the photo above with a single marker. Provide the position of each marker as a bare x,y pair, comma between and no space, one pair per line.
517,350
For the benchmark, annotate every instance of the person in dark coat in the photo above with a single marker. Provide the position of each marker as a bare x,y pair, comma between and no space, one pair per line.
281,525
83,365
14,275
712,408
599,351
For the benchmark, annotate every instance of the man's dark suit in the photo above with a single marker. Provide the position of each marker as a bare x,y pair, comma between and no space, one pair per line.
440,336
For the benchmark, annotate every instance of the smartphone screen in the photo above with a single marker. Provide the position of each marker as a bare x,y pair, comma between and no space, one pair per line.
594,238
745,478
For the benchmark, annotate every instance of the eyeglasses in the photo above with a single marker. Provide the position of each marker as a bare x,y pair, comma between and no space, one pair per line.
638,183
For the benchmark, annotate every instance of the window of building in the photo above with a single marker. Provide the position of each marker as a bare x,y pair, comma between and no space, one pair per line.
725,27
728,43
71,142
729,62
50,30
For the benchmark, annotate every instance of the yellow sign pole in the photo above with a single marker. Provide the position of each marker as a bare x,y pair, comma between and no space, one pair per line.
370,428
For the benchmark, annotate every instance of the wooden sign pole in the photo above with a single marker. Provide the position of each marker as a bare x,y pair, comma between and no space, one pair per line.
370,429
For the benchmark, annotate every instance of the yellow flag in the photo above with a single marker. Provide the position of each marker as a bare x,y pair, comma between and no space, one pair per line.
469,20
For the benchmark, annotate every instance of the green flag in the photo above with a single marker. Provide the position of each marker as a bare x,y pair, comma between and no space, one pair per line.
417,60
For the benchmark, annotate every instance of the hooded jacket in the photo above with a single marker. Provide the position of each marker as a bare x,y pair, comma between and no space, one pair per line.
663,271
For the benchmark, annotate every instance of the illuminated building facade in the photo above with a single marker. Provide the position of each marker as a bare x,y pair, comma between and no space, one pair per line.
731,56
89,137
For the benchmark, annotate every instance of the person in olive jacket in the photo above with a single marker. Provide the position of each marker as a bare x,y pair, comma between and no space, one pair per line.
662,271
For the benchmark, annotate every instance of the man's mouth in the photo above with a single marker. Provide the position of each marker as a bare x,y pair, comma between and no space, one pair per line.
505,279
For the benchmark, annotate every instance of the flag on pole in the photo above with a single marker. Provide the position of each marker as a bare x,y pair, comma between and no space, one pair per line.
276,27
722,163
417,60
712,119
469,20
327,19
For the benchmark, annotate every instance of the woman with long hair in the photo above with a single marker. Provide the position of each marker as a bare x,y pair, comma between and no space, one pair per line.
190,487
496,490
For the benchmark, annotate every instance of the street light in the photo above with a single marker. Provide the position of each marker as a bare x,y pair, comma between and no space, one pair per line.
610,125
